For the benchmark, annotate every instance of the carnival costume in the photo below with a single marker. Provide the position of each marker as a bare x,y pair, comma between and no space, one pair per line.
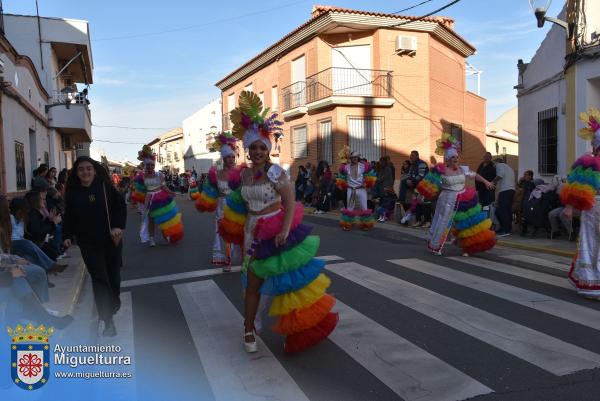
356,213
159,205
582,192
291,274
194,191
458,211
213,195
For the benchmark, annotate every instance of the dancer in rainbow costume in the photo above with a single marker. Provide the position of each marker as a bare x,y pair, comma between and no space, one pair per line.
194,192
279,250
159,208
582,192
218,185
355,178
458,211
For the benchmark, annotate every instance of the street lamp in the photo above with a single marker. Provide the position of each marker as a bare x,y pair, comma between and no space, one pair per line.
540,7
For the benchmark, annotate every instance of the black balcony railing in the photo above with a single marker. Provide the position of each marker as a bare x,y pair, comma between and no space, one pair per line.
294,95
336,81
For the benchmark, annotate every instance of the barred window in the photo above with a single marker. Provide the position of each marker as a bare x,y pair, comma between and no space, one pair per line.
300,142
20,166
548,141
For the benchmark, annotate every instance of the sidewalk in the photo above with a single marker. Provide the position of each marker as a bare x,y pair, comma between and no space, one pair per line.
68,284
559,247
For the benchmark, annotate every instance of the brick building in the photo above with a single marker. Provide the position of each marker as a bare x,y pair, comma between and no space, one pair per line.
384,84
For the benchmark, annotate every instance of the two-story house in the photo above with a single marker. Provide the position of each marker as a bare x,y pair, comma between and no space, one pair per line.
45,116
199,130
384,84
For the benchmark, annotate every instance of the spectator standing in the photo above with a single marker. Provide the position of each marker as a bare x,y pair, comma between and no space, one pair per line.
194,173
325,189
300,183
487,170
95,216
39,182
62,176
505,191
417,170
525,186
385,177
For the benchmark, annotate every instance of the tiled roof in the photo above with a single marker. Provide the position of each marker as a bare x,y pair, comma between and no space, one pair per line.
319,9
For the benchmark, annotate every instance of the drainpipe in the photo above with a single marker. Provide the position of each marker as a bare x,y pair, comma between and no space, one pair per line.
37,9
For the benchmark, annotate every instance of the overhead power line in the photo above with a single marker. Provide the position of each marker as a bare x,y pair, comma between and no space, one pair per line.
428,14
124,127
121,142
411,7
184,28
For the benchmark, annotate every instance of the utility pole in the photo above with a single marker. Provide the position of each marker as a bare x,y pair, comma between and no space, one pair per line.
571,112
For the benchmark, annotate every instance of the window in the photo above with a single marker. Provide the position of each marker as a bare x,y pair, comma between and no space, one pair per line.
261,96
231,102
20,163
504,150
365,137
274,99
456,131
547,141
248,87
325,150
300,142
46,158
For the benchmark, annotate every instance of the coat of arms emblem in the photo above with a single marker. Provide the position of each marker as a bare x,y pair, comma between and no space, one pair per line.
30,355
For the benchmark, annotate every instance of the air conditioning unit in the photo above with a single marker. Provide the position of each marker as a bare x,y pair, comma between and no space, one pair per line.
406,44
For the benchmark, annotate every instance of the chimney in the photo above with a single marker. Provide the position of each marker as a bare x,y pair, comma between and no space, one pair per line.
318,10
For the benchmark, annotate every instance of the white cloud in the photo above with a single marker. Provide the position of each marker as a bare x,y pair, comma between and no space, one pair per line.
109,81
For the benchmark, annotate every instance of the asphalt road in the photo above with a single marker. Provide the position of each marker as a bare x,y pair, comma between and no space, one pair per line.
413,326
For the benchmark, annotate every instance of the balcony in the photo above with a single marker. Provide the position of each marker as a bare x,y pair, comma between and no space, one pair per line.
338,87
69,113
294,100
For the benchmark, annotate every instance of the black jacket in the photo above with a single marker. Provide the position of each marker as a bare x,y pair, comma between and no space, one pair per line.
85,213
38,227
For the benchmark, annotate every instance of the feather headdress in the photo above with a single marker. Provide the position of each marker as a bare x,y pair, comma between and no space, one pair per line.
146,155
251,122
344,154
225,143
591,131
447,146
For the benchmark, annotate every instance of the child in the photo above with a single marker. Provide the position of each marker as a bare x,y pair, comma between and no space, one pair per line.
386,205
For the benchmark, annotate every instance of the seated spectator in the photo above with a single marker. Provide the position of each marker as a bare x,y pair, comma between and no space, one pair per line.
422,213
19,213
41,224
387,203
300,183
541,201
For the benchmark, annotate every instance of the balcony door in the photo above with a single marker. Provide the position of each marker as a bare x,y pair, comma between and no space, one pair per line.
351,72
365,137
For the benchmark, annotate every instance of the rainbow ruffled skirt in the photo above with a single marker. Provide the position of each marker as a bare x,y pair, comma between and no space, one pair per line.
165,214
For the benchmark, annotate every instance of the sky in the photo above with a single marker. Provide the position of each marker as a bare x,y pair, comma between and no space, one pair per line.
156,62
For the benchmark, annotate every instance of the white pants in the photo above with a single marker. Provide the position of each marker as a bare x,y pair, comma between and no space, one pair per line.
356,199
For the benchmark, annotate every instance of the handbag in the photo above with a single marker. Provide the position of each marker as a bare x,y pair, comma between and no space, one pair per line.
115,239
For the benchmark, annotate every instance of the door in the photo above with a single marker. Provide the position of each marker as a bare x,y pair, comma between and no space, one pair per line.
365,137
351,72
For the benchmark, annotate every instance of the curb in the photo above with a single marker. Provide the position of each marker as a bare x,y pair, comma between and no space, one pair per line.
419,233
68,285
534,248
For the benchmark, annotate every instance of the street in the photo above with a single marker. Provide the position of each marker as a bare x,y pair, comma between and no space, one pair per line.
413,326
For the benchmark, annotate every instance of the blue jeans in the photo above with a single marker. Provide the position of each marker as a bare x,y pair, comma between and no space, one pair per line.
33,253
56,241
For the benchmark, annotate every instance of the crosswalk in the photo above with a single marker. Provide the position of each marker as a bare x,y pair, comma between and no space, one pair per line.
460,296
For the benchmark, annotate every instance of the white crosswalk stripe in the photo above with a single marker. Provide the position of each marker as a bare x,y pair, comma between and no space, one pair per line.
538,261
514,271
543,303
233,374
413,372
409,371
544,351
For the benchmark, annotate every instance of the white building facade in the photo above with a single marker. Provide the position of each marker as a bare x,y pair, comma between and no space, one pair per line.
198,131
45,116
550,98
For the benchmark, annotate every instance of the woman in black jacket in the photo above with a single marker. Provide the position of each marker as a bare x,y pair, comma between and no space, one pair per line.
95,216
41,223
